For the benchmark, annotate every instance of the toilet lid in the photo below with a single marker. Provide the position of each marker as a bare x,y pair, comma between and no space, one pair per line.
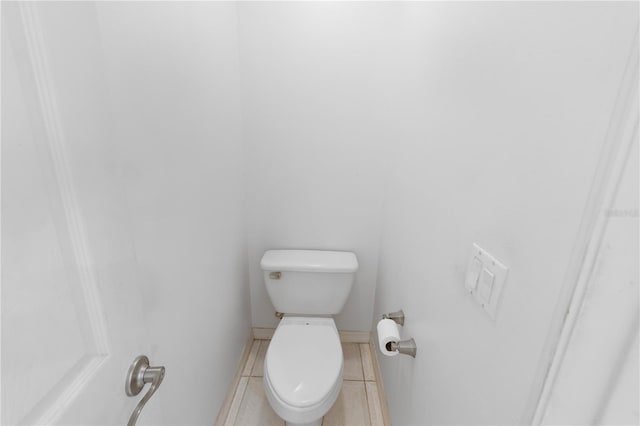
304,362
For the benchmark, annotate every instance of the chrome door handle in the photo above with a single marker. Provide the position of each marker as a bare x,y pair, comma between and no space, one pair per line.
140,373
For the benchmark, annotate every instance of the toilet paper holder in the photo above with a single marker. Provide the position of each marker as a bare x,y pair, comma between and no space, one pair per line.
406,347
397,316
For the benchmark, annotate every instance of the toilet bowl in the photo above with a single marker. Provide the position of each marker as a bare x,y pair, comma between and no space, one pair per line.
303,364
303,369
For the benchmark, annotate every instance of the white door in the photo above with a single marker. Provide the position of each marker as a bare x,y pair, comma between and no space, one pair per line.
72,314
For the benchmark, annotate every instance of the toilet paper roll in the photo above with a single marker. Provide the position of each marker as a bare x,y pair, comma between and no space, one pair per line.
387,332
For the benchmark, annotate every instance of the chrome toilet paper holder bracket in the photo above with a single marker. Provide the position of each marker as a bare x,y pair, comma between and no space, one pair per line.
405,347
397,316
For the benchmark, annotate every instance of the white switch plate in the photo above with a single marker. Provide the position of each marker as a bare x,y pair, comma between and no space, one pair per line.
478,260
473,273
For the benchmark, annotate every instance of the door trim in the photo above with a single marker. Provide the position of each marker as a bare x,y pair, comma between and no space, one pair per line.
619,139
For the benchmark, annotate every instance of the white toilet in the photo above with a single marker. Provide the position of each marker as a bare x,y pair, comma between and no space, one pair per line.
303,365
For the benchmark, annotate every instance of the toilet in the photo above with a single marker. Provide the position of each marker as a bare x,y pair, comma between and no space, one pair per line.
303,364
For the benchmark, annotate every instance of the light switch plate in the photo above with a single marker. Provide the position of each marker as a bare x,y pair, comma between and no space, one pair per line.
485,279
473,274
485,285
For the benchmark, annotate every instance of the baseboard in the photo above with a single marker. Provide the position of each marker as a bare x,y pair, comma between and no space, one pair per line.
263,333
378,373
354,336
226,405
345,336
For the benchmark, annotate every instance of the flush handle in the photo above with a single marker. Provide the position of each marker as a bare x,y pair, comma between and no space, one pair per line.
275,275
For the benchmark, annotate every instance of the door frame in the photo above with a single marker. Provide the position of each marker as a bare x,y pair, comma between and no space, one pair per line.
621,134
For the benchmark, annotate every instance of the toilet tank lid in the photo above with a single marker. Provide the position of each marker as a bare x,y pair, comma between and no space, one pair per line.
309,261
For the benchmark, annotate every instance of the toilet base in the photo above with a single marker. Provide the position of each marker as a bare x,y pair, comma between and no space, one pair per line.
314,423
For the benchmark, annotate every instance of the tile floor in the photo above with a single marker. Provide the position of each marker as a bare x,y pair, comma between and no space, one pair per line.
357,405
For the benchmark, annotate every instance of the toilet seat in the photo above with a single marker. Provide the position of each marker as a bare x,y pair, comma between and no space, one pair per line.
303,368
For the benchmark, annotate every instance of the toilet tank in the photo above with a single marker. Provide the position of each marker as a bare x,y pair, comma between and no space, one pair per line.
310,282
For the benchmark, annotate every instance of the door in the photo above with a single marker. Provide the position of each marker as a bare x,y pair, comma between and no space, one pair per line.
72,314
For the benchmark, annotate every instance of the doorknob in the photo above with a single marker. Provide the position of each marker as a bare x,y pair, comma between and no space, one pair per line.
140,373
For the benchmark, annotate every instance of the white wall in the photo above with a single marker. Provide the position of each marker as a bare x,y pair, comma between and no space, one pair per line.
173,73
505,115
316,125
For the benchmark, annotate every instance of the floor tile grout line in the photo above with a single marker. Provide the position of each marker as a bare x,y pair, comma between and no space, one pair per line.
366,398
249,360
244,392
361,362
369,371
237,411
355,356
253,372
377,405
